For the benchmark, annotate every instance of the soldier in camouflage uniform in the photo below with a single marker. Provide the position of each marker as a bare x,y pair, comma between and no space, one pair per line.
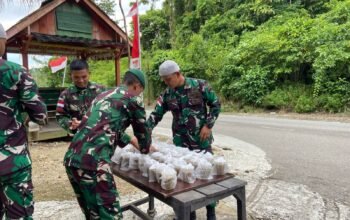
195,108
88,160
75,101
18,93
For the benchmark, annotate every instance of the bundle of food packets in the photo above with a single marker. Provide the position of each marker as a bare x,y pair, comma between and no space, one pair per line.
169,163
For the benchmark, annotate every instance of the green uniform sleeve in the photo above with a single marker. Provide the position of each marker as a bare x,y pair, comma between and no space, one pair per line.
158,112
29,97
62,114
124,139
138,123
213,102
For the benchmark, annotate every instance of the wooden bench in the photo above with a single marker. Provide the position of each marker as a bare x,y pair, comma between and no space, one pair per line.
186,197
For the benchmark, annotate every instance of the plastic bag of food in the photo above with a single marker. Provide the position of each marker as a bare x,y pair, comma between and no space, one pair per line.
152,172
117,156
208,156
142,160
157,156
204,170
168,159
148,162
134,161
192,158
159,170
220,166
130,148
178,163
187,173
168,179
125,159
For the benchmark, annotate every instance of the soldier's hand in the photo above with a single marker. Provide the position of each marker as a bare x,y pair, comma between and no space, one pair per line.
75,123
26,121
205,133
135,143
152,149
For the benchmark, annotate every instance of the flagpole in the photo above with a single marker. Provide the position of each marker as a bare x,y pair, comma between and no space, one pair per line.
126,32
64,75
138,28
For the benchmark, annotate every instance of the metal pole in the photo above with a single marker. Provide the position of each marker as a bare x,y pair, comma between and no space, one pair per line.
138,23
126,31
64,74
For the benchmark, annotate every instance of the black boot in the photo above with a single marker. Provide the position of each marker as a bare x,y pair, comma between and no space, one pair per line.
211,212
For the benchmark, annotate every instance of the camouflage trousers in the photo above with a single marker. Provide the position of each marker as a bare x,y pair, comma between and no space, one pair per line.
96,193
16,194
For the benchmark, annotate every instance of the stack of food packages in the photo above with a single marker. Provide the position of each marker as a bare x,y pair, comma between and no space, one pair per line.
170,163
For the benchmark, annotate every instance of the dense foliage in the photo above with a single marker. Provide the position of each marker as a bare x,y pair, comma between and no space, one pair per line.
291,55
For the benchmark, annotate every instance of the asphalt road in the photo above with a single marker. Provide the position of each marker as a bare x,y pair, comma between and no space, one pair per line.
313,153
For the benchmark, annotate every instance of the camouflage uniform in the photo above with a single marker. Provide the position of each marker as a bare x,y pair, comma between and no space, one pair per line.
88,157
18,93
188,105
74,102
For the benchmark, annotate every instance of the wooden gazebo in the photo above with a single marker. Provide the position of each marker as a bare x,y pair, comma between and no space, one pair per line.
69,27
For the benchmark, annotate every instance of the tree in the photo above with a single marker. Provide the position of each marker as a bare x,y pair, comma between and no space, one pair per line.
107,6
155,30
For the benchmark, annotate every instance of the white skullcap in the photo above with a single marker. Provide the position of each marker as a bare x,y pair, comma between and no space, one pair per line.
168,67
2,32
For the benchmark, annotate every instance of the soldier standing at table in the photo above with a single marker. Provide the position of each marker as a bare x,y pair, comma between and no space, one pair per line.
18,93
88,160
195,108
75,101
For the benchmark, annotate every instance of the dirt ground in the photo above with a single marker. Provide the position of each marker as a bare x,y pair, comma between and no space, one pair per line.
49,176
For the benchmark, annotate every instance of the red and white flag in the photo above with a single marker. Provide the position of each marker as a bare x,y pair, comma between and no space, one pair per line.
58,64
136,49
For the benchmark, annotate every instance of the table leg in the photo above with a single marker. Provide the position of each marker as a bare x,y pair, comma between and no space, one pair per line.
151,210
241,206
182,212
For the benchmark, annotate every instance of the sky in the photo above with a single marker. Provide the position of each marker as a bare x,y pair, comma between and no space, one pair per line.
13,11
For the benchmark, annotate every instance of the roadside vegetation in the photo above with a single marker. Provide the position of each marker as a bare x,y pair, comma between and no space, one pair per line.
281,55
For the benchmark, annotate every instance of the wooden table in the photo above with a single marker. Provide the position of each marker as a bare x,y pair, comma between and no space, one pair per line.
186,197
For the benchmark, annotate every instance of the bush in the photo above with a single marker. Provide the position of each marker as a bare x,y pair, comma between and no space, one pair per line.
331,103
277,99
305,104
252,86
286,97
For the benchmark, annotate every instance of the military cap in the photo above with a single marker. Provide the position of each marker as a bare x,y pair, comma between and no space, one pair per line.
139,75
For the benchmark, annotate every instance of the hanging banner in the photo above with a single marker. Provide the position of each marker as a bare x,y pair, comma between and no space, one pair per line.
136,49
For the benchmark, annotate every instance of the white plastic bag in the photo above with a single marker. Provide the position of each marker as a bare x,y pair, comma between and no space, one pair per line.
134,161
117,156
168,178
204,170
147,164
187,174
125,159
220,166
178,163
152,172
157,156
159,171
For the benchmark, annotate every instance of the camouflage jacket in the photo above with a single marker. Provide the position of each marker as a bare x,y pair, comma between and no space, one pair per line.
75,102
18,93
103,128
192,105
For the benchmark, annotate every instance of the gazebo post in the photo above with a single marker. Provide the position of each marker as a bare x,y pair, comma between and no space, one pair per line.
117,67
25,59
